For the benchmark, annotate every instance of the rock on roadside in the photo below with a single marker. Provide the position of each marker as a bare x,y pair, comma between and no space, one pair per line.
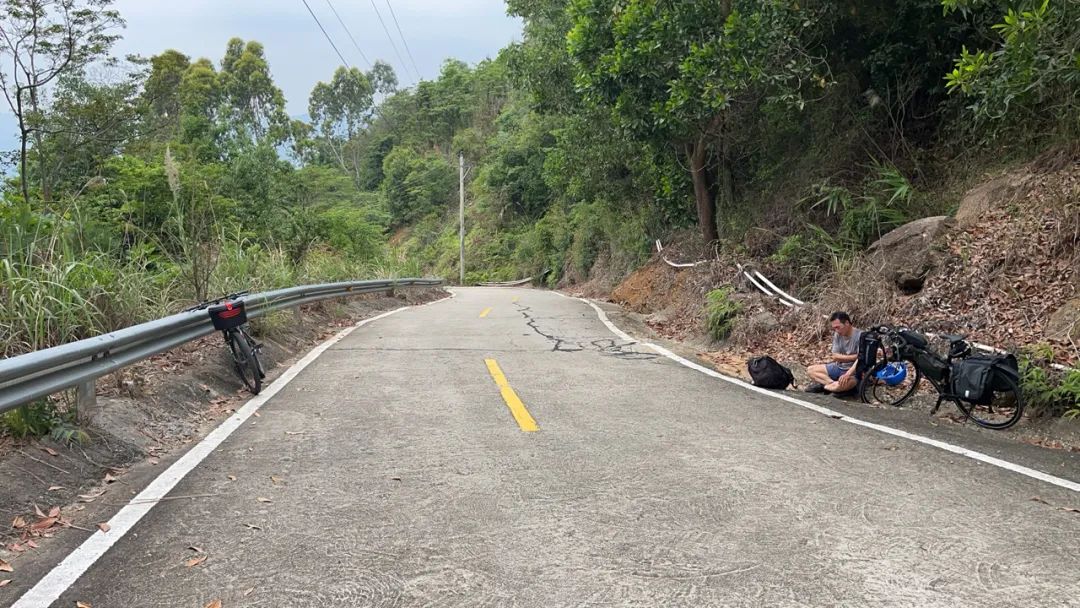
906,254
990,195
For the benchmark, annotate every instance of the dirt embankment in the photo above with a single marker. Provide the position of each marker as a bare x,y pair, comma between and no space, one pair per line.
1005,271
147,415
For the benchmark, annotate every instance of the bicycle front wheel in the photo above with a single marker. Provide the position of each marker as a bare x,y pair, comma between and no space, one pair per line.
1004,409
245,361
875,391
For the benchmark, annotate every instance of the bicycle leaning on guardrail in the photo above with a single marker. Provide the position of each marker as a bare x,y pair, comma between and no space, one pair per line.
229,316
896,359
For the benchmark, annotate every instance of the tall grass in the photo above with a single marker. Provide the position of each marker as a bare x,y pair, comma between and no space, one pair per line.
56,286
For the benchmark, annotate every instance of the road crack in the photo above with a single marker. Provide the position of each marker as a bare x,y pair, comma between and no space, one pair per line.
606,346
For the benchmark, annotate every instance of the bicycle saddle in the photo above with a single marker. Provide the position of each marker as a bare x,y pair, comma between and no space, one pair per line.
953,338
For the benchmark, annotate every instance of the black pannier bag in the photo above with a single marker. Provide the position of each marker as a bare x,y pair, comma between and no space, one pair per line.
976,378
930,365
1006,365
228,315
972,380
767,373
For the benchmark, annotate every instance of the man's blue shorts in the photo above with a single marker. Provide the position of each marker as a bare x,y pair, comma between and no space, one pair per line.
835,371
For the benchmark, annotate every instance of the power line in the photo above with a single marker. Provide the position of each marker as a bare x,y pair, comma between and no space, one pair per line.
349,33
391,39
403,41
328,39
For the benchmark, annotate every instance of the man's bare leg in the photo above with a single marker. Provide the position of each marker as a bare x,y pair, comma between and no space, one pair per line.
843,385
818,373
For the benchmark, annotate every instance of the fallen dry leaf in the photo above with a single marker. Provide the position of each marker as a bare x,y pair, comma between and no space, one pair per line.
83,605
214,604
1070,509
249,591
253,526
1037,499
91,497
104,527
263,499
55,488
5,567
43,524
195,561
31,544
196,549
109,478
54,512
276,480
231,477
5,582
50,451
16,548
18,522
38,512
294,432
258,415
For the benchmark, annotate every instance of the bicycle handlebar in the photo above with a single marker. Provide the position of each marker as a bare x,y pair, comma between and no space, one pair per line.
208,303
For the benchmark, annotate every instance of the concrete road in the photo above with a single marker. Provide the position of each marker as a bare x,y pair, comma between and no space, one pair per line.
392,472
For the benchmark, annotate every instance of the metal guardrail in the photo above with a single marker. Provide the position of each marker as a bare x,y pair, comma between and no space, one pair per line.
28,377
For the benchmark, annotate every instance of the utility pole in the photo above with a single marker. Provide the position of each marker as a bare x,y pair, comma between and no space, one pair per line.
461,215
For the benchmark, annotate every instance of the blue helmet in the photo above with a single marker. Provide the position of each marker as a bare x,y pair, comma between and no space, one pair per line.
892,374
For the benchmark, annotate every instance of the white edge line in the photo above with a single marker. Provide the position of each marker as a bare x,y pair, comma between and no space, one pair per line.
948,447
60,578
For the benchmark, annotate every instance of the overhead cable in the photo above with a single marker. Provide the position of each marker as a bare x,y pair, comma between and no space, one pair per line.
403,41
404,65
346,28
328,39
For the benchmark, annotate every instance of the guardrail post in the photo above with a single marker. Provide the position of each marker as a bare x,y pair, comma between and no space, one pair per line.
86,400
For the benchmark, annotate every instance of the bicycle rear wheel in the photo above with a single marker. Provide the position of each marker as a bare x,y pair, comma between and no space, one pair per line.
875,391
1004,409
245,361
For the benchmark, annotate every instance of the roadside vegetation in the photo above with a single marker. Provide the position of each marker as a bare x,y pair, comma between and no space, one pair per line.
797,133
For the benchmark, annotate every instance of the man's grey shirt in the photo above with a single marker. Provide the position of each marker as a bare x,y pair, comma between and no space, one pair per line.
846,346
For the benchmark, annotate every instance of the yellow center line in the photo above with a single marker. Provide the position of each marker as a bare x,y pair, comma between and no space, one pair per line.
485,312
517,408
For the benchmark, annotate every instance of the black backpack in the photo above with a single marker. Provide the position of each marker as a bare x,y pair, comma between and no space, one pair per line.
869,342
767,373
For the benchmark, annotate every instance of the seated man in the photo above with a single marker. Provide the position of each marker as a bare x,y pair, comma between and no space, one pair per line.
838,376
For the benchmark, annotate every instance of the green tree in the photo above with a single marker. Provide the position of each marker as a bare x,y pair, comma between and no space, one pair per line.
200,102
338,110
161,93
85,125
677,74
1033,71
415,185
383,78
43,40
255,106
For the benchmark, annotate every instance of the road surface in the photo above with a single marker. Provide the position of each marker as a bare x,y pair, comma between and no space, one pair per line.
396,471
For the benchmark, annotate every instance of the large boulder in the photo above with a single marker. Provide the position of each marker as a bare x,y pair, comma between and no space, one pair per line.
1064,324
906,254
990,195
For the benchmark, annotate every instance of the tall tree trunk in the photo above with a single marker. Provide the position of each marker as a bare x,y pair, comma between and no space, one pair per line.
24,136
726,178
703,195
